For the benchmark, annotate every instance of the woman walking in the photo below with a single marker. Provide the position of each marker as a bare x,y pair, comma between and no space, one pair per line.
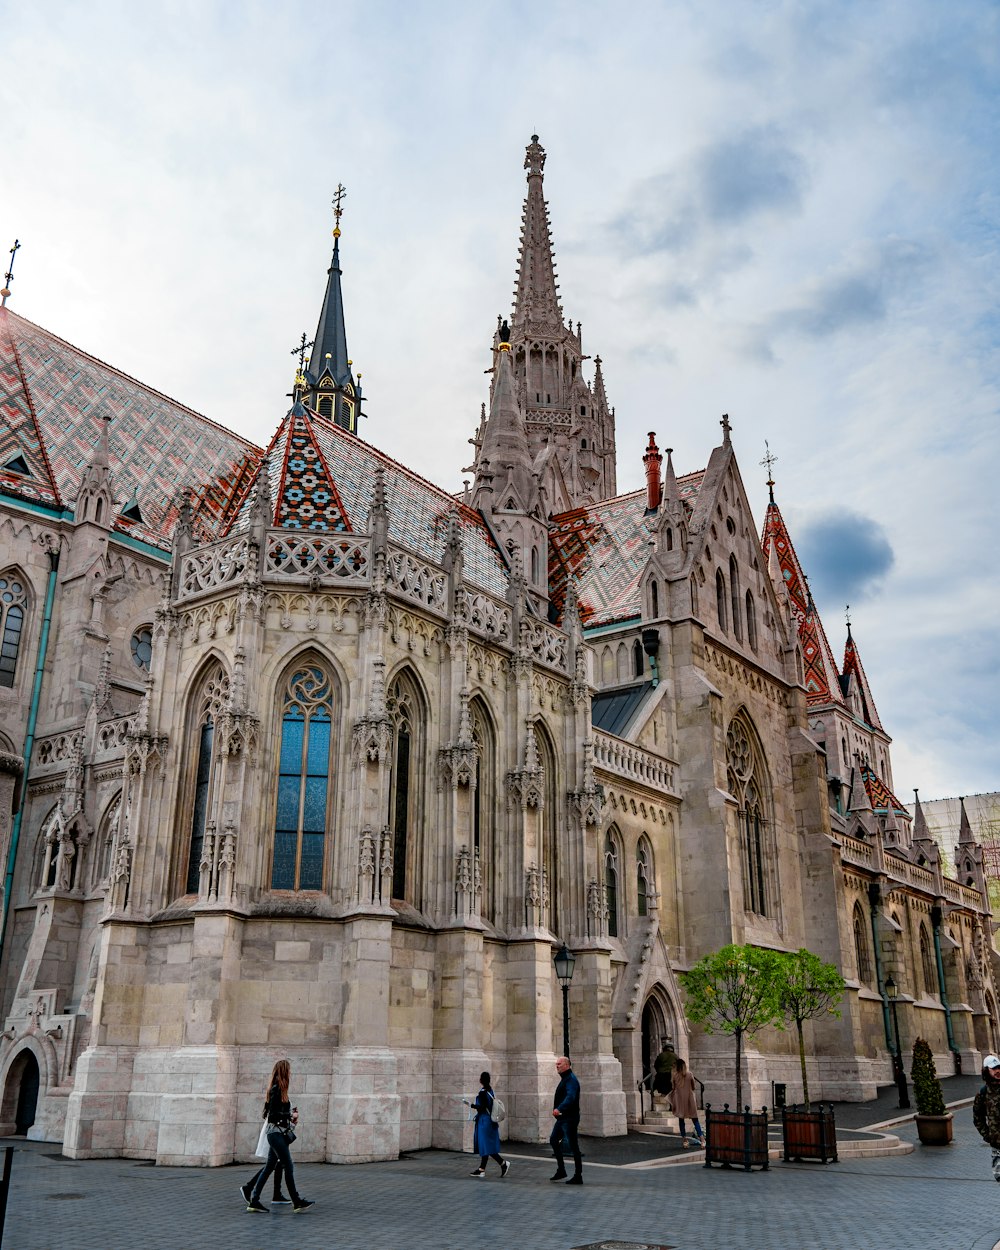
685,1105
281,1116
485,1134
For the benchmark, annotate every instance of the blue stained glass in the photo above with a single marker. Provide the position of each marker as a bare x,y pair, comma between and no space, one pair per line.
318,751
311,867
288,803
314,808
291,745
283,872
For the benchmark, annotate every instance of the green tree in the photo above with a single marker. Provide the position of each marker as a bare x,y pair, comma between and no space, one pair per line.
808,988
926,1086
734,990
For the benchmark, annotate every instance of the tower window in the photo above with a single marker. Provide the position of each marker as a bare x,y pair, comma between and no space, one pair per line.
13,601
325,406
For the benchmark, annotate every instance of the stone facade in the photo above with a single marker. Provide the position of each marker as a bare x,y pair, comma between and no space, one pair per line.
326,763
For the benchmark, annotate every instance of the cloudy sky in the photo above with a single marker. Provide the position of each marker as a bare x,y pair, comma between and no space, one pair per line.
785,211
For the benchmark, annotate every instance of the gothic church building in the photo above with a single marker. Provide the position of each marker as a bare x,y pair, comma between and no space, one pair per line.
302,755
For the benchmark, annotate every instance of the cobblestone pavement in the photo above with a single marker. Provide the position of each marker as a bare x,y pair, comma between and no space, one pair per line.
943,1199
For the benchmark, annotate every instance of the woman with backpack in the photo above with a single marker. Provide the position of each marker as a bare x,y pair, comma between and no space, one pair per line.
486,1133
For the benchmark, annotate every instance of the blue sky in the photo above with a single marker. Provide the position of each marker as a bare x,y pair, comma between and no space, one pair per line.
789,212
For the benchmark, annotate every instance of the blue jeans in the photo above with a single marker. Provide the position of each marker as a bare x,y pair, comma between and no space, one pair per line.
697,1128
279,1153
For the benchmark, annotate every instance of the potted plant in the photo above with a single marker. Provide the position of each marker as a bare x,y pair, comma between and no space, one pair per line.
807,990
734,991
934,1123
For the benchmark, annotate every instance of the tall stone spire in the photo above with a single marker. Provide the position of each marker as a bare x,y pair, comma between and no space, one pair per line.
330,387
570,427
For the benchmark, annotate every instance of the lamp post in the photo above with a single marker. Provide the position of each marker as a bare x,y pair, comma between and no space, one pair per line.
565,962
897,1058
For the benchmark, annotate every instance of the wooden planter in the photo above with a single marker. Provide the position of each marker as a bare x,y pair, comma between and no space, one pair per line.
934,1130
809,1134
736,1138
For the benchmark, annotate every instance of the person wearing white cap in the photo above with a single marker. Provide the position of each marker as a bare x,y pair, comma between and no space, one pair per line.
986,1110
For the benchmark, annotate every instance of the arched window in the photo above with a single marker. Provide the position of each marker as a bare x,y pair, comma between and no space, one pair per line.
534,565
622,662
927,965
105,843
670,539
654,599
611,880
643,876
547,824
406,710
720,599
607,667
748,783
751,622
209,703
325,408
734,594
303,780
485,799
13,605
637,657
861,951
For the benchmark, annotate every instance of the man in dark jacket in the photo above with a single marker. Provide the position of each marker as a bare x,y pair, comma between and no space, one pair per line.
986,1110
566,1110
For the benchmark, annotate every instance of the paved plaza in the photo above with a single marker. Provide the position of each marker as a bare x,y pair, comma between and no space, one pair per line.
938,1199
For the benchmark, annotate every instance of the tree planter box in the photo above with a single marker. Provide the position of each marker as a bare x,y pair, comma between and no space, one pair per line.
934,1130
809,1134
736,1138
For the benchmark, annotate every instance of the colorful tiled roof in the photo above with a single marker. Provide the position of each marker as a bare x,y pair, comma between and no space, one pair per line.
822,680
853,669
53,398
879,794
604,548
322,477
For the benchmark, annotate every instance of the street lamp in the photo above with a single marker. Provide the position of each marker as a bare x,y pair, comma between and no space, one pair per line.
565,962
897,1058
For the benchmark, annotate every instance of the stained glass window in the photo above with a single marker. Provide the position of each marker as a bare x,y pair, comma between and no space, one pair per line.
13,601
748,783
213,695
142,647
303,781
611,882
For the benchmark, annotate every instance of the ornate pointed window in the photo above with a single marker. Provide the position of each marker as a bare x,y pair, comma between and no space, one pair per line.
637,657
209,703
303,780
748,783
927,965
751,622
547,823
643,876
484,799
406,710
734,594
720,599
13,606
611,880
861,948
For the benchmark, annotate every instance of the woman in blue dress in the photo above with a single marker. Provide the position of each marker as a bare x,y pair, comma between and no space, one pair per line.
486,1134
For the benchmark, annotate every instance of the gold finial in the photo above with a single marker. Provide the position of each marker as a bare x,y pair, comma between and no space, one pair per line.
338,208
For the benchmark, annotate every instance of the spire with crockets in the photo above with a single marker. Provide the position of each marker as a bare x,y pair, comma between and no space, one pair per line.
570,427
330,387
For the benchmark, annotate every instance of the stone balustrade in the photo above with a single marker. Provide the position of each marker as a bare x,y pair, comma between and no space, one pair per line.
625,760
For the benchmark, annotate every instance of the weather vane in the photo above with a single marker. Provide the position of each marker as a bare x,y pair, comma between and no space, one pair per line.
338,207
300,351
847,616
770,459
8,277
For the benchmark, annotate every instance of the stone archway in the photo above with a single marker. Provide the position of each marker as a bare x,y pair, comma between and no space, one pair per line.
658,1029
20,1094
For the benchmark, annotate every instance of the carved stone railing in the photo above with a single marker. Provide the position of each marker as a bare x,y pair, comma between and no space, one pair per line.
111,736
218,565
964,895
622,758
484,615
291,556
547,645
857,853
58,748
416,580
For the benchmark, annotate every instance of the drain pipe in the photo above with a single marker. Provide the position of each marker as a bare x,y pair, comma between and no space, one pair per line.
651,646
874,898
29,739
936,917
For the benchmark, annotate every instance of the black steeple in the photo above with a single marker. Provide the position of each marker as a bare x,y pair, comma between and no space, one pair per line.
330,387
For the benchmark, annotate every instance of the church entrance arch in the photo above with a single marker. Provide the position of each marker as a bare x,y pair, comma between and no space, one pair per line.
659,1030
20,1095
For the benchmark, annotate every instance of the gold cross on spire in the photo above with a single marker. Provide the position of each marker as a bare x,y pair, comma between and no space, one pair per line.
770,459
338,207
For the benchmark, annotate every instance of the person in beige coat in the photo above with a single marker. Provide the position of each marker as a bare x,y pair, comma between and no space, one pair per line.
684,1102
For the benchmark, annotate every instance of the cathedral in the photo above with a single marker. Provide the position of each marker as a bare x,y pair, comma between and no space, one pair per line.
302,755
